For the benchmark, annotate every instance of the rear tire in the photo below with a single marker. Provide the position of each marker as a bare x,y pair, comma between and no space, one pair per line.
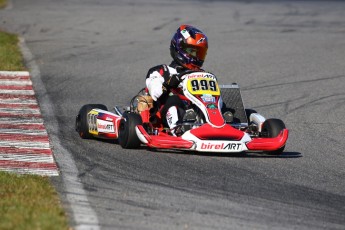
272,128
82,123
128,138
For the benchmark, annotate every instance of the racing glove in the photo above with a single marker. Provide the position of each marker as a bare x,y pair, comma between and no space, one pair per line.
155,87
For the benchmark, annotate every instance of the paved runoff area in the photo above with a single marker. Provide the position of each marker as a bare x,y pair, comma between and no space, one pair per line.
24,142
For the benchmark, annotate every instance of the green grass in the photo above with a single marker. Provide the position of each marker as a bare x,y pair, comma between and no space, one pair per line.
29,202
2,3
11,58
26,201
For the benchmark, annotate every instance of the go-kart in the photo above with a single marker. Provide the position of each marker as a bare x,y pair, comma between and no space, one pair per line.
215,120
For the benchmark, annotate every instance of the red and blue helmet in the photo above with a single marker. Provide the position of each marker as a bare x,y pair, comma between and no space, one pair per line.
189,47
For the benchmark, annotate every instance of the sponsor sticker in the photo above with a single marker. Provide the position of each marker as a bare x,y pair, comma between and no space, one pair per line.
218,146
105,126
202,75
208,98
201,40
185,33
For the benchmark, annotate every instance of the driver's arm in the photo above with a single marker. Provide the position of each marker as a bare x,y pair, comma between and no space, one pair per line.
172,82
155,78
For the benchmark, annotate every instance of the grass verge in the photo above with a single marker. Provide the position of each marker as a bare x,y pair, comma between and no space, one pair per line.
2,4
10,56
26,201
29,202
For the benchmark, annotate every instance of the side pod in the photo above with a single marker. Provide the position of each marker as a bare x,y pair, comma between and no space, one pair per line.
269,144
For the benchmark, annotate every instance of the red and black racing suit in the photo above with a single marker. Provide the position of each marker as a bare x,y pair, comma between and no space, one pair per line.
165,101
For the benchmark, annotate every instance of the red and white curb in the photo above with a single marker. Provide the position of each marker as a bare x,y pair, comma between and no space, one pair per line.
24,142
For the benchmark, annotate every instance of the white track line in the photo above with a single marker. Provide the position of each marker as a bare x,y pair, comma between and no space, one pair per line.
84,215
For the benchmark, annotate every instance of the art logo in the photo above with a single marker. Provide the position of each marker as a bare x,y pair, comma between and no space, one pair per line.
221,146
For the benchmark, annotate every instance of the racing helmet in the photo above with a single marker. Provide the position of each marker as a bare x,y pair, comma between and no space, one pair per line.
189,47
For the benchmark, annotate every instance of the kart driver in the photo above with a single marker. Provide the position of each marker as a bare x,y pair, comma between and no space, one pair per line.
188,49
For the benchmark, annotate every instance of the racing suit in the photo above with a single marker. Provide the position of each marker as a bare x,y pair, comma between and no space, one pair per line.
159,81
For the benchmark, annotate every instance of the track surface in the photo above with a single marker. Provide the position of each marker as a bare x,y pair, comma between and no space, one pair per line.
288,57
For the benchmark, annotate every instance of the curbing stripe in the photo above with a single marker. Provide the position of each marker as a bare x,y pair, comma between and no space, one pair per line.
37,158
18,105
33,171
11,115
17,92
13,96
15,82
23,126
23,131
16,87
25,150
24,142
23,137
13,74
20,120
12,110
28,165
15,101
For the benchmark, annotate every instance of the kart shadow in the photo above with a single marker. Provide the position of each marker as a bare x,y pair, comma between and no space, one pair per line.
283,155
233,155
109,141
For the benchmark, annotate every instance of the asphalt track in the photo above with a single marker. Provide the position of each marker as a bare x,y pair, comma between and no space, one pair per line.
288,57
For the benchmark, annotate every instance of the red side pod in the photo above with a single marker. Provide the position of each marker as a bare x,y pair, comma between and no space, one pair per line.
227,132
269,144
164,141
115,119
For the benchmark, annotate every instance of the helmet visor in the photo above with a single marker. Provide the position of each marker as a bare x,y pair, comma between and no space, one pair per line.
196,52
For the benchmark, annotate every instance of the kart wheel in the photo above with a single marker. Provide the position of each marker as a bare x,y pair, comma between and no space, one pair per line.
81,123
128,138
272,128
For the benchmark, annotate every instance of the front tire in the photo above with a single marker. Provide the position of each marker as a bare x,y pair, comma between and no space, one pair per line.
82,123
272,128
128,138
